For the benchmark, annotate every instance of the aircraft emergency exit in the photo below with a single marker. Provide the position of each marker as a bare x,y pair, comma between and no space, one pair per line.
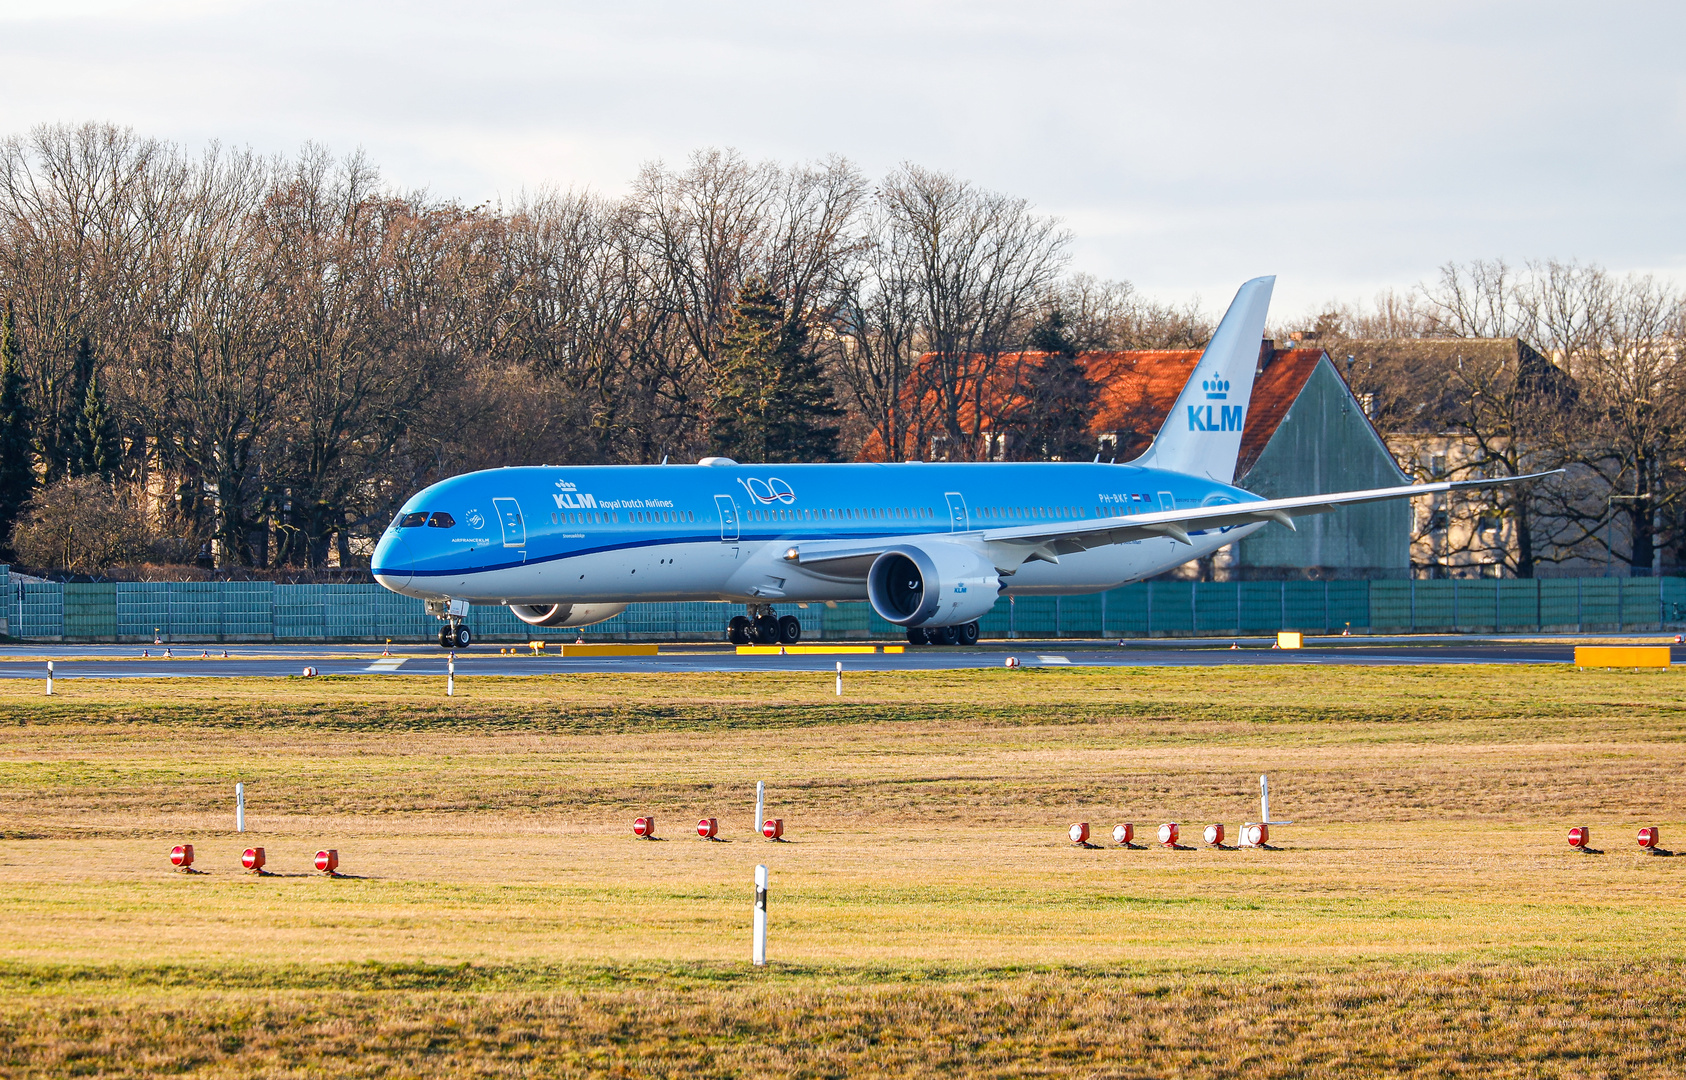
930,545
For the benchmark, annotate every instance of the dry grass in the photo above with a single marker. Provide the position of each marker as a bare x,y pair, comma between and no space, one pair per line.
1424,919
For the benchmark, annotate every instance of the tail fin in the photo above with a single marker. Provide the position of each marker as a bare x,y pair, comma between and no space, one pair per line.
1203,433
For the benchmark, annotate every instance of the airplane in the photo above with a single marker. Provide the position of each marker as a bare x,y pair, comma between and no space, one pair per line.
931,545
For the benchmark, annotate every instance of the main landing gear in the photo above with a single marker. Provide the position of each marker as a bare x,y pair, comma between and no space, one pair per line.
964,634
762,627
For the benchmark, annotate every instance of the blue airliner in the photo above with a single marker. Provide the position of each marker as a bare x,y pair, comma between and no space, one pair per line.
930,545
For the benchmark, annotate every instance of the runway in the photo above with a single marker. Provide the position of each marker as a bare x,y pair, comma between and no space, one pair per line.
262,660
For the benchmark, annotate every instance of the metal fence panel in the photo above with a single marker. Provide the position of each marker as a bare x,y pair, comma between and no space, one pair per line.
1601,603
40,610
90,611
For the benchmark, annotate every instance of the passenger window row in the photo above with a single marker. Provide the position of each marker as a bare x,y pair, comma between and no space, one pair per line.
868,513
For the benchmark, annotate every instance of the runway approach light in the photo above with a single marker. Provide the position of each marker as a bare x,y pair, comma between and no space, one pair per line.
181,857
773,828
1579,837
1255,835
328,862
1214,836
644,828
1650,837
252,860
1080,833
1123,834
1168,834
708,828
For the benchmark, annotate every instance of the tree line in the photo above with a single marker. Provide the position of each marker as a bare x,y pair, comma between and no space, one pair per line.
249,361
223,356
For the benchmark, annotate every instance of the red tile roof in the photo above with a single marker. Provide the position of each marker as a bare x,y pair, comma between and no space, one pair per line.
1139,387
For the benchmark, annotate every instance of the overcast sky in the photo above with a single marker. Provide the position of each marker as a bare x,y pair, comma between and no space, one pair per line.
1344,147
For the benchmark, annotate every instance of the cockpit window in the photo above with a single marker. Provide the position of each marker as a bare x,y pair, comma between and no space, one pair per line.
411,521
441,520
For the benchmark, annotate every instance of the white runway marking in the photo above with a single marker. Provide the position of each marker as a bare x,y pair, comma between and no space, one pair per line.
389,663
1052,660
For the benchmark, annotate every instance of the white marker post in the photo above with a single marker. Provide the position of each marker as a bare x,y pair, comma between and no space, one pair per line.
1264,803
839,678
240,807
759,957
760,800
49,678
451,674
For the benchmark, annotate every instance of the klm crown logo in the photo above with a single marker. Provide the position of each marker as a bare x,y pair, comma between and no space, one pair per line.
1221,418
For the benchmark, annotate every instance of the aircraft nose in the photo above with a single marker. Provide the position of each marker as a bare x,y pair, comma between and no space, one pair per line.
392,564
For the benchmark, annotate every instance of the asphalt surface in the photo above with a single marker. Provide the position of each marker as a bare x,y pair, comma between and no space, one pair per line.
204,661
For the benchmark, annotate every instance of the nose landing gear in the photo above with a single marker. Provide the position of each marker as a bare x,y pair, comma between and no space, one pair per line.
762,627
453,634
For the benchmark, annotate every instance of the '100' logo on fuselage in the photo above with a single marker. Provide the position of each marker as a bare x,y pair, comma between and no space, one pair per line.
1223,418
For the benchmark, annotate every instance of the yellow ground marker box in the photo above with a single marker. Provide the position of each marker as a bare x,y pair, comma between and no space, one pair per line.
1290,639
1621,656
618,649
813,650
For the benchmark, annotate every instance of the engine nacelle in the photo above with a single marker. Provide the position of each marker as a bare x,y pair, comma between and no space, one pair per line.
932,585
565,614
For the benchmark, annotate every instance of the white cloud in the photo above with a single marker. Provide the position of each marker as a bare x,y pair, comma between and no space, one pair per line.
1340,146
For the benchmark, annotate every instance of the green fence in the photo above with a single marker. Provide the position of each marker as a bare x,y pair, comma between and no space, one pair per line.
260,611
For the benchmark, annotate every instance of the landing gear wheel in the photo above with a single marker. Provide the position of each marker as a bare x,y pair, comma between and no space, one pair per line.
461,638
790,630
444,637
916,635
946,635
767,630
737,631
968,633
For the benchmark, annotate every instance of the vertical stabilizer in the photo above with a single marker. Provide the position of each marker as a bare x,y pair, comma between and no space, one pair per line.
1202,435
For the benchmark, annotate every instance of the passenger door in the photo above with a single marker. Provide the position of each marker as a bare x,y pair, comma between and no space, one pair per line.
509,517
728,517
956,512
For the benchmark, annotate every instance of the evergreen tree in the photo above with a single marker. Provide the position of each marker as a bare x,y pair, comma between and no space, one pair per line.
93,446
1060,399
770,401
17,465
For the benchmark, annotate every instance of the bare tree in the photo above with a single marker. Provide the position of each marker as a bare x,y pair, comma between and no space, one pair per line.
978,262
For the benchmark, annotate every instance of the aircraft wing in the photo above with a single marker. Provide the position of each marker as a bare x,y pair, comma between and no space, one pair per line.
1015,545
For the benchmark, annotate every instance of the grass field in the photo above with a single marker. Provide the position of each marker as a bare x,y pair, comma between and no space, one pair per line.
1425,917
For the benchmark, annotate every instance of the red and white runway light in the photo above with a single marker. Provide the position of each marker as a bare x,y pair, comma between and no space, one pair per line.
709,828
1255,835
773,828
181,857
644,828
1650,838
1214,836
1168,834
252,860
1123,834
1080,833
328,862
1579,837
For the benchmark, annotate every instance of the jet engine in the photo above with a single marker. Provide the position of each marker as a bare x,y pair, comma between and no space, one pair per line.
932,585
565,614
